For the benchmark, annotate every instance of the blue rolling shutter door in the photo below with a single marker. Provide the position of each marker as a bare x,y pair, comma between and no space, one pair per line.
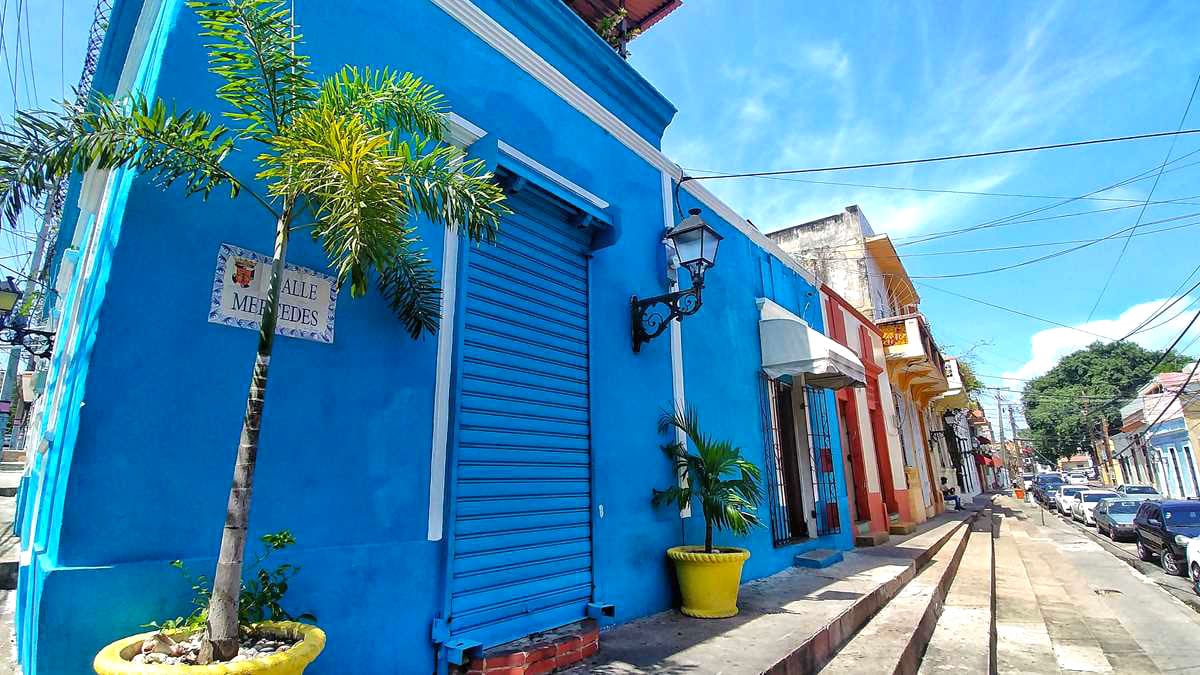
522,551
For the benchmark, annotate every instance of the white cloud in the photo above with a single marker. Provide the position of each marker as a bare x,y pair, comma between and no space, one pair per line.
829,58
1049,346
753,111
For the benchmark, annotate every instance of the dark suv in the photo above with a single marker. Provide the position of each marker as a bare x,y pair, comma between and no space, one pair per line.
1163,528
1044,485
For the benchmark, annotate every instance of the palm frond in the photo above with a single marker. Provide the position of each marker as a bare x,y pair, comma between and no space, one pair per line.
365,178
253,49
387,99
26,179
450,189
343,168
410,285
42,147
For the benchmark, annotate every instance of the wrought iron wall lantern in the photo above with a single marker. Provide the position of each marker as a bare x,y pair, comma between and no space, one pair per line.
693,243
40,343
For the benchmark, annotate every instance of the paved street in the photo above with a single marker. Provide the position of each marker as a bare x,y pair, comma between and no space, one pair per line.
1099,613
1126,550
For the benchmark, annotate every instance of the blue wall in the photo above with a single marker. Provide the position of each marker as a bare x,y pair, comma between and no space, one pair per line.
140,462
1178,478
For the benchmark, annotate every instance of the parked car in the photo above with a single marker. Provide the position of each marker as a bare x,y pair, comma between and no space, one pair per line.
1050,494
1193,559
1044,484
1164,529
1086,502
1114,517
1065,497
1077,478
1137,489
1027,480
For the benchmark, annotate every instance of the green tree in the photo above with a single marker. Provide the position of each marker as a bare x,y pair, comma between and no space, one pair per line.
351,160
1064,406
970,380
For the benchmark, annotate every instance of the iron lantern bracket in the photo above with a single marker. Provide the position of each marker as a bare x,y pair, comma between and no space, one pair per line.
39,343
651,316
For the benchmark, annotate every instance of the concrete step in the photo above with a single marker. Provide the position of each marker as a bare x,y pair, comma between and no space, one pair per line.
901,527
892,641
13,456
12,466
961,642
10,546
9,482
790,622
871,539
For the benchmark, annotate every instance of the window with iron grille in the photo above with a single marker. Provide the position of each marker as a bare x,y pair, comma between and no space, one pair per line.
801,488
820,441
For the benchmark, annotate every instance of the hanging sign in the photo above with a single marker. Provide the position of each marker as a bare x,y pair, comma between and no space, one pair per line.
239,296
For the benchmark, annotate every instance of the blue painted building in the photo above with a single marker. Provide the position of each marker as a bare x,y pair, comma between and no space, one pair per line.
474,486
1171,453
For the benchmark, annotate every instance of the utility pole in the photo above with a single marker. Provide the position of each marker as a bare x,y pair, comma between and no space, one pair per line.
1012,421
1000,424
1091,438
1108,457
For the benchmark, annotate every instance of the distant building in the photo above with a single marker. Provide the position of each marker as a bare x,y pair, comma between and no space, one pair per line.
864,269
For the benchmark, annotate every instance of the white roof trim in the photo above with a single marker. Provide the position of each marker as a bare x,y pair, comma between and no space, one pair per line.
552,175
461,131
490,31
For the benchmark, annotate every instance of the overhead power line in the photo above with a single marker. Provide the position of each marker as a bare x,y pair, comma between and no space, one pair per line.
1173,298
1013,311
967,193
1048,256
992,249
947,158
1149,196
1047,207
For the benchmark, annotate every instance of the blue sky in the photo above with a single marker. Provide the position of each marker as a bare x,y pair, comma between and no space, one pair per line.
43,47
774,84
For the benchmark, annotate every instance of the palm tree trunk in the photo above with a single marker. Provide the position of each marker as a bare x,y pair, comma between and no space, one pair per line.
708,528
221,639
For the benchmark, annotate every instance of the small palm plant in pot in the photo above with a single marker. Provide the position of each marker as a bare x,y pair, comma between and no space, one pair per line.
727,487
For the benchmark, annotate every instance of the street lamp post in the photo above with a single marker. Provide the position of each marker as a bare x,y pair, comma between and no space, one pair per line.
693,243
13,331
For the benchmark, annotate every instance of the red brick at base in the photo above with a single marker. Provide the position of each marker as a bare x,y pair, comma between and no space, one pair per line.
541,652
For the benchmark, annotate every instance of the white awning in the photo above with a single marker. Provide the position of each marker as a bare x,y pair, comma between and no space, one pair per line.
790,347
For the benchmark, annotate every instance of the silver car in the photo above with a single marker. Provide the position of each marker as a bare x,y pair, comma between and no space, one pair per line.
1084,505
1065,497
1138,491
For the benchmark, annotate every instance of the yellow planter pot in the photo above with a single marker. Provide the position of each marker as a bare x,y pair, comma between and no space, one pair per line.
114,659
709,582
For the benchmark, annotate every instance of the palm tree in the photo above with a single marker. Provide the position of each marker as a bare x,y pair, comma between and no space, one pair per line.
725,482
353,160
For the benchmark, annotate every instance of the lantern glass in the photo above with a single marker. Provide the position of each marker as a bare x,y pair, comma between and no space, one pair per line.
695,243
8,300
10,295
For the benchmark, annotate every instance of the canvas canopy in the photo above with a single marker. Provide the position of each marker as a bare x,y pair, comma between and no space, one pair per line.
791,347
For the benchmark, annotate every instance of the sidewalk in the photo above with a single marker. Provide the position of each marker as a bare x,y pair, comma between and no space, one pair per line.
795,619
